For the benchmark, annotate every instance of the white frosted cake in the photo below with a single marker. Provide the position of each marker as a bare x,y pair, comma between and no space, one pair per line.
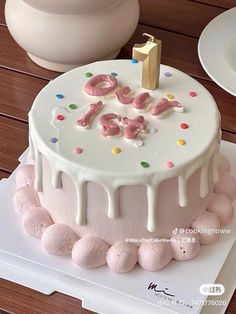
118,170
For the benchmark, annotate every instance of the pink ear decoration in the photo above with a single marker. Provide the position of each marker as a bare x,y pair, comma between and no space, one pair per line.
123,97
109,127
164,107
141,100
91,85
86,119
134,126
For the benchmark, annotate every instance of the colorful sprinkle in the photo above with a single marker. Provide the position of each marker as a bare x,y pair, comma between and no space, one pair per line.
169,164
134,61
88,74
78,150
181,142
167,74
53,140
60,117
114,74
184,125
170,96
139,143
192,94
73,106
60,96
145,164
116,150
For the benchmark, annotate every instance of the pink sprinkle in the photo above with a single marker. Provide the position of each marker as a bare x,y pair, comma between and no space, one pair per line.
169,164
60,117
192,94
78,150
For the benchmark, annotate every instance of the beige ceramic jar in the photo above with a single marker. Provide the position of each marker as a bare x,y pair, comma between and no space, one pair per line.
61,35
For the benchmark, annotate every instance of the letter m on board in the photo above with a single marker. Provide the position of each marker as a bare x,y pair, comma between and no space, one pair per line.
152,286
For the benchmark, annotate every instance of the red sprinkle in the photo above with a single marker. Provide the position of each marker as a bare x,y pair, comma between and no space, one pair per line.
184,126
60,117
192,94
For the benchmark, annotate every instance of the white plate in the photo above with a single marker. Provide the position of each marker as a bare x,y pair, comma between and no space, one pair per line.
217,50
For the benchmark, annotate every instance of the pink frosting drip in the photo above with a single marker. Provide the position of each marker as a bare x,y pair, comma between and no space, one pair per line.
163,105
91,85
93,109
123,97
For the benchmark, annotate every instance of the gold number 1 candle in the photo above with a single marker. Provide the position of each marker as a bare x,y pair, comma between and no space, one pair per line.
150,55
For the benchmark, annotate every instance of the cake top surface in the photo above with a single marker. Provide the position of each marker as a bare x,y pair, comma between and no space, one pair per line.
181,130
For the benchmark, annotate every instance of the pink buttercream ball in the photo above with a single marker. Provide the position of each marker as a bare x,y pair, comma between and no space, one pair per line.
226,185
206,223
224,165
122,257
185,245
59,239
90,252
36,220
25,176
154,256
25,198
222,207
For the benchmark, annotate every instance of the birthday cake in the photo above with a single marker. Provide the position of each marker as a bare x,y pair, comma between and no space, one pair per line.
121,175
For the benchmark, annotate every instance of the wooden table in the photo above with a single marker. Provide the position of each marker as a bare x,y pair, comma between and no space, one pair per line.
178,24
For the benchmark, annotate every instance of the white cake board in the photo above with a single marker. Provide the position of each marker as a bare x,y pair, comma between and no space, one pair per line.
22,260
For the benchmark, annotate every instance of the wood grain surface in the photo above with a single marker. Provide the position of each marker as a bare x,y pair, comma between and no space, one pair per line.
178,23
224,4
176,16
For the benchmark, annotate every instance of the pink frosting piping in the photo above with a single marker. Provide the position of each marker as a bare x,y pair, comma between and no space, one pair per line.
109,128
123,97
140,100
86,119
163,105
91,89
134,126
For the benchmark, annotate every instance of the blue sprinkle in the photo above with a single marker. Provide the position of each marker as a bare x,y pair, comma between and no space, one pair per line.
53,140
60,96
114,74
134,61
168,74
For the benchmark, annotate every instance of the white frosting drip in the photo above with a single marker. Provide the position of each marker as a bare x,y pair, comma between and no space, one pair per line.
216,166
31,148
204,186
97,163
56,178
38,183
81,202
152,196
183,195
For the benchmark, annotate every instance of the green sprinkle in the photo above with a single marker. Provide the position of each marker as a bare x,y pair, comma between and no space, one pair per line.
145,164
73,106
88,74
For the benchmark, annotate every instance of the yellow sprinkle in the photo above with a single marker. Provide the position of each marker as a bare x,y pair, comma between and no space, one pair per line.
170,96
116,150
181,142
